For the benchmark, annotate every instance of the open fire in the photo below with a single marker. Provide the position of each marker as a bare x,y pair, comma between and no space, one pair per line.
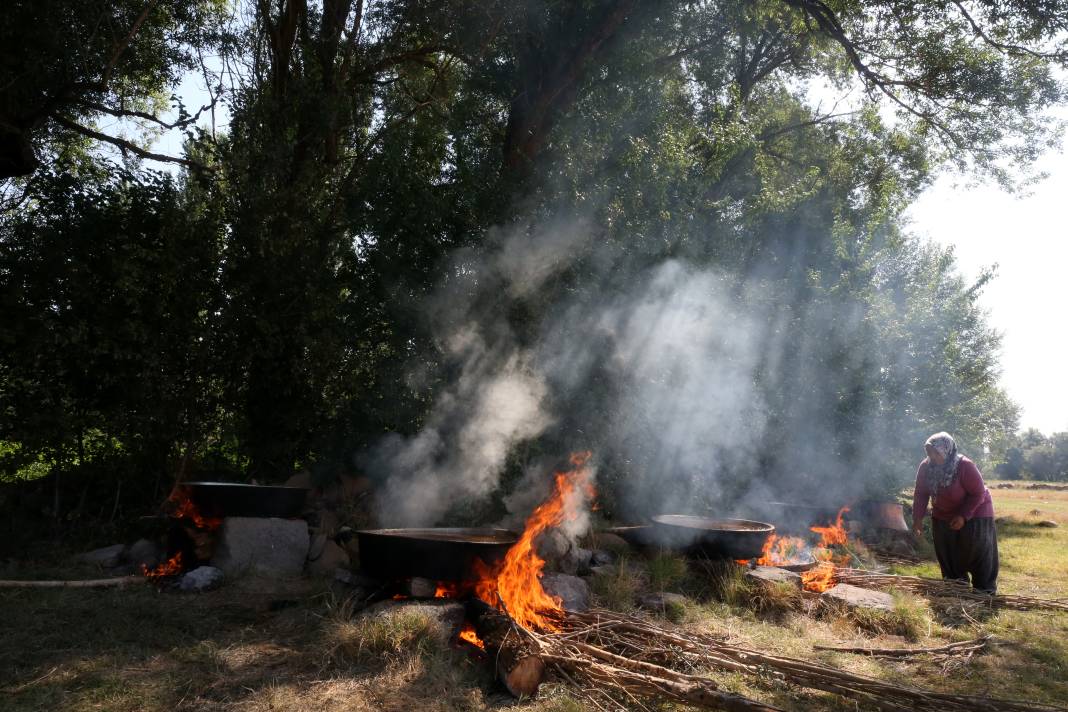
513,585
198,529
792,550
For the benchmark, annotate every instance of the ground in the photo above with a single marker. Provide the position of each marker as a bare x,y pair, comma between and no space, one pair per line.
252,647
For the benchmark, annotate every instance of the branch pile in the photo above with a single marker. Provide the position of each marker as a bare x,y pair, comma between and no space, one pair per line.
612,656
940,588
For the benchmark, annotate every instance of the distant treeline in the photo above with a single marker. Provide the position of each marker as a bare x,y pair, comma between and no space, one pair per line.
1034,456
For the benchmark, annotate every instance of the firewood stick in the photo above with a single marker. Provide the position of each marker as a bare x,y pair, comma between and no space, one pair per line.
692,689
683,688
89,583
966,646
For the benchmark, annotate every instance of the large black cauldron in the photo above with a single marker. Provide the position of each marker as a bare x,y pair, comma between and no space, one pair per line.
440,554
714,538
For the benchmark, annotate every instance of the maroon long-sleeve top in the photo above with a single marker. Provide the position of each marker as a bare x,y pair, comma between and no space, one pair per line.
966,496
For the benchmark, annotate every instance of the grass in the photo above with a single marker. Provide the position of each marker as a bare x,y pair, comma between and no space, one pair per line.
618,589
667,571
235,650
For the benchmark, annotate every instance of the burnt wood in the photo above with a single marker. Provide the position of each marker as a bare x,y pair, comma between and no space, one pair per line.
517,664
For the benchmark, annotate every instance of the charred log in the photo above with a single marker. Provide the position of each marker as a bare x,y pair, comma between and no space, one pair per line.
517,662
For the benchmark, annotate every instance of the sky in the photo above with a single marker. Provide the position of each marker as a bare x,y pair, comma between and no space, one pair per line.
1025,236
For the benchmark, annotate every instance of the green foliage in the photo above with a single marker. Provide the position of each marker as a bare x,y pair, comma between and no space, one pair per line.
271,311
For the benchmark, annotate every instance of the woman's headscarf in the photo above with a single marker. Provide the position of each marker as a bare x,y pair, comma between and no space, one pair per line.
939,476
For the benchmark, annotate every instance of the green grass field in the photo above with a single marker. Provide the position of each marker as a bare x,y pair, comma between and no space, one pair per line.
242,648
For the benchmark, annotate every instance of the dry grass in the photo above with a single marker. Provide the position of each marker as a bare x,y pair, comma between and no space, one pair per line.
237,650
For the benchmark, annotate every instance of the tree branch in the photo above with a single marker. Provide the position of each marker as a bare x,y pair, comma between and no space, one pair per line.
1006,48
127,113
128,146
126,43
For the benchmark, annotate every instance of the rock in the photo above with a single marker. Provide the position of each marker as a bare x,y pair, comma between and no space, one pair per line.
1049,523
315,549
445,615
662,602
576,561
108,556
354,485
573,591
553,546
419,587
273,547
601,557
144,552
607,541
202,578
301,479
1035,512
325,522
856,597
899,546
348,540
772,575
331,558
605,570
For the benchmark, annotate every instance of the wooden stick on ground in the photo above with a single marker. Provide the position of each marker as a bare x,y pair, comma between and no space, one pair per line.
963,647
90,583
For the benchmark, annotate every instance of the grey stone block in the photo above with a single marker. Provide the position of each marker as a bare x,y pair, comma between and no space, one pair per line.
271,547
573,591
108,556
202,578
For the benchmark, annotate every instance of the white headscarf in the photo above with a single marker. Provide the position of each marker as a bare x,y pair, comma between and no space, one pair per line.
939,476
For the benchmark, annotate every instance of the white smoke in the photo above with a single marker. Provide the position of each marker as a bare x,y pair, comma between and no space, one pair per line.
499,398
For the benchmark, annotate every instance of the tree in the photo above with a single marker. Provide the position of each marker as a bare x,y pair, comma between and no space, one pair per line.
67,63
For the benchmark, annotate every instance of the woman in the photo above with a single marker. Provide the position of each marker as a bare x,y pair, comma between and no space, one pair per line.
962,514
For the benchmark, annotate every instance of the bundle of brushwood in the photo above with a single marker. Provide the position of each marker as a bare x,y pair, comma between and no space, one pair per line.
611,657
940,588
520,658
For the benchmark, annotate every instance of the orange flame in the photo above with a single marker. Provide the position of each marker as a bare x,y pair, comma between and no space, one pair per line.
782,550
835,533
517,583
185,509
820,578
467,633
170,567
447,589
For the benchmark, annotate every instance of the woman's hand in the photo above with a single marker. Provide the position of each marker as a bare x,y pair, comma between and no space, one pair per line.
956,523
917,530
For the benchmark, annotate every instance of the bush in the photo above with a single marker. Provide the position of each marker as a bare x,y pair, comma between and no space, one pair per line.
666,571
618,590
